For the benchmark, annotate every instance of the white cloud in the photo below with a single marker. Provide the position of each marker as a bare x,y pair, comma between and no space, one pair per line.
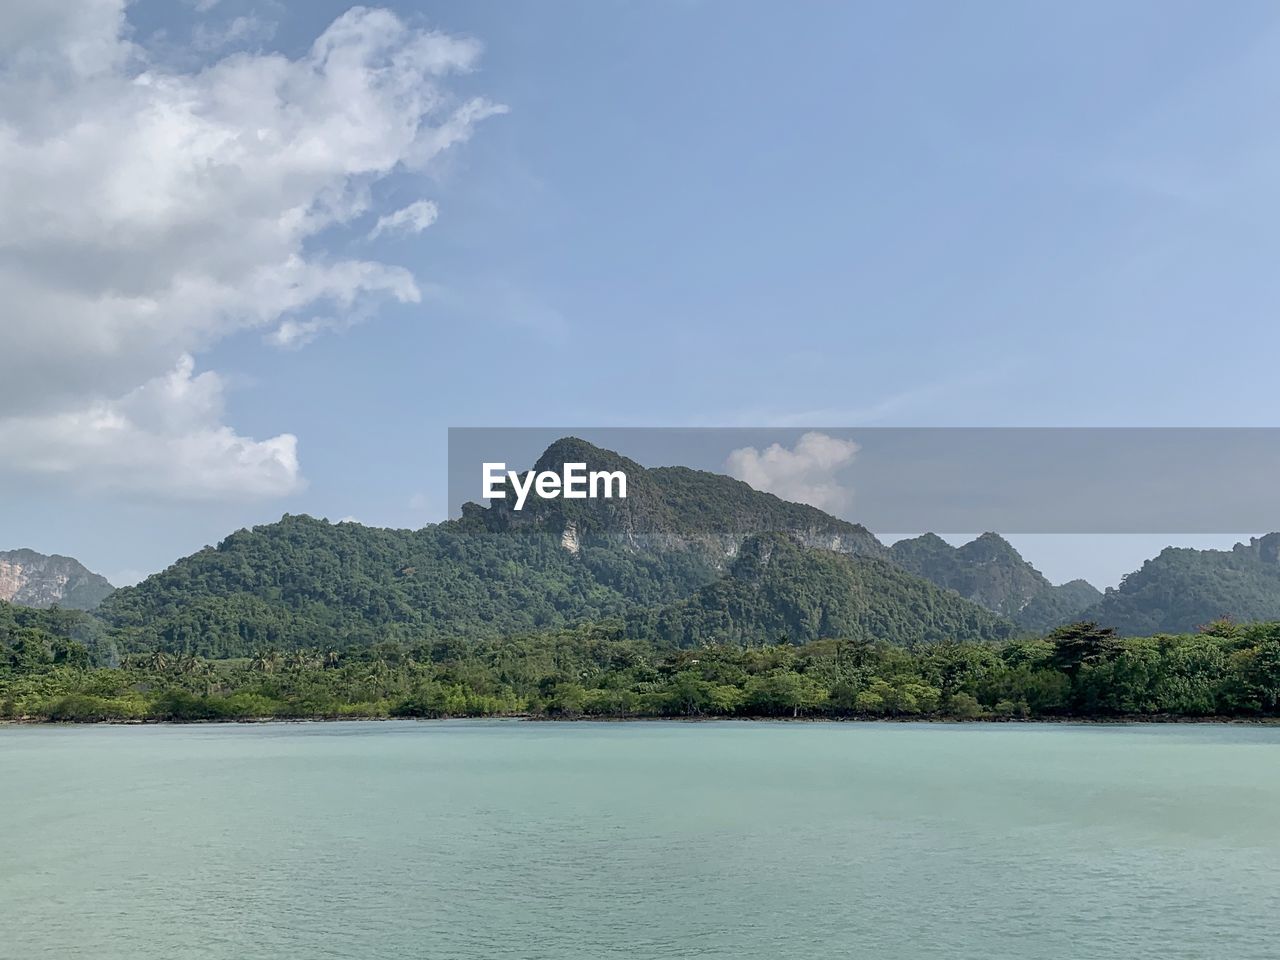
150,212
239,31
162,437
806,474
414,218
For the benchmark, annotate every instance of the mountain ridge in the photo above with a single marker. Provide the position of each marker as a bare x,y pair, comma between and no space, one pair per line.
991,572
668,559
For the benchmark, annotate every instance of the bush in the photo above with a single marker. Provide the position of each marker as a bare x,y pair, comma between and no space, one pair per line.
964,707
85,708
181,705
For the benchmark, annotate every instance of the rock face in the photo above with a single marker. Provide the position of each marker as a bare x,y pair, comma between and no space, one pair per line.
32,579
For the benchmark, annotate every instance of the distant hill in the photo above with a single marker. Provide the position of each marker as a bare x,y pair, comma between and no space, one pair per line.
1183,589
687,556
778,589
990,572
33,579
304,582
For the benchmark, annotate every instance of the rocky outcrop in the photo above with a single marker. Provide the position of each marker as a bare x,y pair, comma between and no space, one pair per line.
32,579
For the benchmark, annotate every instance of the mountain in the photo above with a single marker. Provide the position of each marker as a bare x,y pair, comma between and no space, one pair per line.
303,582
32,579
687,555
778,589
498,571
669,507
990,572
1182,589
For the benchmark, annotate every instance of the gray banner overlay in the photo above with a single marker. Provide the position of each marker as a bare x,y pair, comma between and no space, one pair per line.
949,480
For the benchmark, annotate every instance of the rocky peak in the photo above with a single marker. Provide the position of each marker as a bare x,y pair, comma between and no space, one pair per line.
32,579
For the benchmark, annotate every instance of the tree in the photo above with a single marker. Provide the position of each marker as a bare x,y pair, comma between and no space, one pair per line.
782,692
1080,644
69,653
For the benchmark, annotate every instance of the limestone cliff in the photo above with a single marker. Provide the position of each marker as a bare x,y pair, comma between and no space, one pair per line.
32,579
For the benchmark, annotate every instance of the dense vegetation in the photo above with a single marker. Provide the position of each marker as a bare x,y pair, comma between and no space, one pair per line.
58,636
1183,586
688,559
304,583
776,589
989,571
1080,671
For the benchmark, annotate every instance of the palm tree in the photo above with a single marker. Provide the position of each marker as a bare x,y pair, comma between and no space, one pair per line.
198,667
159,661
264,662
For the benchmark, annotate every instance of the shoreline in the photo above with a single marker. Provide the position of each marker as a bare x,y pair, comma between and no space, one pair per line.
1126,721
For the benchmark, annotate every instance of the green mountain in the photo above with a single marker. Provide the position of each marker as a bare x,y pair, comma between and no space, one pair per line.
990,572
669,507
33,579
306,583
778,589
38,637
1183,589
679,559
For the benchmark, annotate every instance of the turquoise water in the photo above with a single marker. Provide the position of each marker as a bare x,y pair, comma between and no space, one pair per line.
581,841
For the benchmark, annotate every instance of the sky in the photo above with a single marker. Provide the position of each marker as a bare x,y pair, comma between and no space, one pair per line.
257,257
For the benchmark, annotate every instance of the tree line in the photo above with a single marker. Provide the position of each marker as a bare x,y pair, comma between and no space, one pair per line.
1080,671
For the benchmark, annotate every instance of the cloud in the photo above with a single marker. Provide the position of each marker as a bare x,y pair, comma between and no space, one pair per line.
414,218
151,211
805,474
162,437
240,31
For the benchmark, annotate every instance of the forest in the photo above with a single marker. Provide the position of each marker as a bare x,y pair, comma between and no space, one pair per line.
1080,671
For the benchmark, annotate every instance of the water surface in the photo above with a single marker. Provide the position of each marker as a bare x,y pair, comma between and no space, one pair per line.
501,839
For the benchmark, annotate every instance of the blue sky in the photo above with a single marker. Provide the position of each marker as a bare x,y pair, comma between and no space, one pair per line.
689,213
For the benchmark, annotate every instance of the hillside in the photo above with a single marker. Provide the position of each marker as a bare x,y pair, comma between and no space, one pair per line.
990,572
678,560
777,589
1183,589
307,583
304,582
34,636
33,579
